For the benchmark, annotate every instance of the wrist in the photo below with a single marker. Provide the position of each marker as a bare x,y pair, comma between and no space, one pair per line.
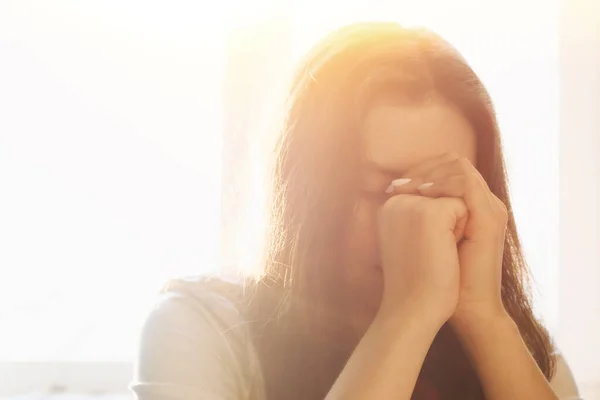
473,328
423,320
485,338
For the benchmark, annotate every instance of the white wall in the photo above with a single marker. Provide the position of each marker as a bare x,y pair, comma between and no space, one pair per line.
125,114
579,313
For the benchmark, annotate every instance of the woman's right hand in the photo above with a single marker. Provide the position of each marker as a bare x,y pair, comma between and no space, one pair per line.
418,238
418,245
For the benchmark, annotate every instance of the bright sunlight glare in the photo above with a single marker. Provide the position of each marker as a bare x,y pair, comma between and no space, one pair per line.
115,115
113,160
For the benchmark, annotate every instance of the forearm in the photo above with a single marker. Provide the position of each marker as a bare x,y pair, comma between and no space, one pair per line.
503,362
387,361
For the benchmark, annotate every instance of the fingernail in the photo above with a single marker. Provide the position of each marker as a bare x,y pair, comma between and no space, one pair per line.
400,182
395,183
425,186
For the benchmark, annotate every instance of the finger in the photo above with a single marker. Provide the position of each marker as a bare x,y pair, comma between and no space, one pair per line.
461,216
424,167
469,188
461,185
438,173
412,178
459,229
460,166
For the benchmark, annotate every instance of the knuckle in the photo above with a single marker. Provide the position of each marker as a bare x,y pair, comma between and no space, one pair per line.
425,212
464,162
396,204
497,218
388,206
471,179
461,180
452,156
404,204
501,212
400,211
418,210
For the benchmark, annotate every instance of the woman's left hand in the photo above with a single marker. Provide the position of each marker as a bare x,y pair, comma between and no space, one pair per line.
481,249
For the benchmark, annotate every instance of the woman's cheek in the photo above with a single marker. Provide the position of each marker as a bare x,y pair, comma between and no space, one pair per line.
361,241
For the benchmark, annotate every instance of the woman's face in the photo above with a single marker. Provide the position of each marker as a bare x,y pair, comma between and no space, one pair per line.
396,138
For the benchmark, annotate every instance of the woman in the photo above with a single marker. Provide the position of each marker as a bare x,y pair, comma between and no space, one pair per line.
393,266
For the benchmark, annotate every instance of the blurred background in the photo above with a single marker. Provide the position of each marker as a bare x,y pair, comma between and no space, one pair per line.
129,130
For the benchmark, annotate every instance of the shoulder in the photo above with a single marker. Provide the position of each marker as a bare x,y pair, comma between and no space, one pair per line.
196,339
562,382
212,298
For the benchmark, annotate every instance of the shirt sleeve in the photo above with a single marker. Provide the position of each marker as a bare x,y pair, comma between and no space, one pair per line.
563,382
191,349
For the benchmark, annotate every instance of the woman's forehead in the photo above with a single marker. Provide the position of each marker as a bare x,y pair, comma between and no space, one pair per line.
398,137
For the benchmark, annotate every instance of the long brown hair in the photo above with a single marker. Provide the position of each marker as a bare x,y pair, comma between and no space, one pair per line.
320,144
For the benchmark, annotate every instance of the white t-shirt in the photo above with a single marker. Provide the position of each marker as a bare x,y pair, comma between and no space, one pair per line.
196,344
